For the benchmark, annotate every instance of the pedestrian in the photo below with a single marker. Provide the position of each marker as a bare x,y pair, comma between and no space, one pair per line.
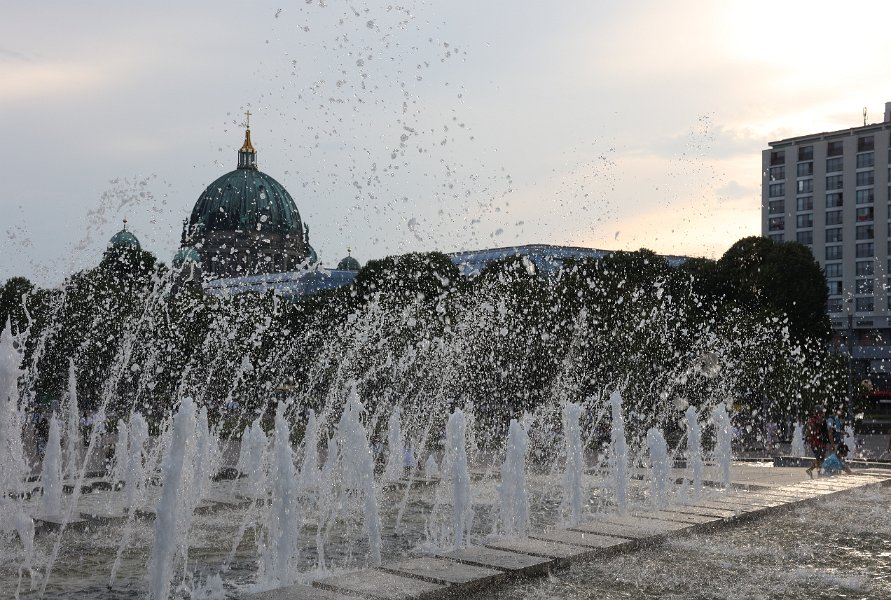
836,462
817,435
836,426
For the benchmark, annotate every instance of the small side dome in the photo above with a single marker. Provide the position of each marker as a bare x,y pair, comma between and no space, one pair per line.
348,263
124,239
184,255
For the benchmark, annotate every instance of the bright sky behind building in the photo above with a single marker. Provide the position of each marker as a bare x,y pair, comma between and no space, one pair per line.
447,126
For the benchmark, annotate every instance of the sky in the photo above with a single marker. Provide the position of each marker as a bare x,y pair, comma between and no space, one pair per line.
451,125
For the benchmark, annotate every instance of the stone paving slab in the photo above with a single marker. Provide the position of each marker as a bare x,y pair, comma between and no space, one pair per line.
614,530
380,584
643,523
522,564
297,592
698,509
675,516
734,508
444,572
583,538
559,551
53,522
750,499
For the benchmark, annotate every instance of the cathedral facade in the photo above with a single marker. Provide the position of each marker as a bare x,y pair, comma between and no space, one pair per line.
245,223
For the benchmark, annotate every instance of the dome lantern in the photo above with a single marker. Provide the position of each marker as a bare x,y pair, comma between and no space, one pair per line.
247,156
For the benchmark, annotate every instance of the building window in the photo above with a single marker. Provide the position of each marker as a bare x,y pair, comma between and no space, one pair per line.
805,203
804,221
776,207
866,178
834,217
775,237
864,286
805,186
807,153
866,160
833,182
805,237
777,157
835,305
833,235
834,200
865,214
866,196
833,270
863,304
776,224
865,268
776,190
866,143
834,288
865,250
777,173
834,164
805,169
835,148
833,252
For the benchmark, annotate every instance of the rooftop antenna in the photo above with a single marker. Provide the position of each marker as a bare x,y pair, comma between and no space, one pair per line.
864,115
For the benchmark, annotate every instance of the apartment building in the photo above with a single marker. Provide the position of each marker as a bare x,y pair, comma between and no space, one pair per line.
830,191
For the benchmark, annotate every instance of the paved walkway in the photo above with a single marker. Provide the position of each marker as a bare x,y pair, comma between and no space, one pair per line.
756,491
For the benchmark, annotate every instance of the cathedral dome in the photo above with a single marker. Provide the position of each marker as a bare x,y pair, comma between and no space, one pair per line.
246,223
124,239
245,200
348,263
184,255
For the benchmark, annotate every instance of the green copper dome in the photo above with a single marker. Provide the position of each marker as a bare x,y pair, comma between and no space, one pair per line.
184,255
246,200
348,263
124,239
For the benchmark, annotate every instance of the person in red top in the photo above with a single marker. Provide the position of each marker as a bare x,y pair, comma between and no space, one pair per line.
817,438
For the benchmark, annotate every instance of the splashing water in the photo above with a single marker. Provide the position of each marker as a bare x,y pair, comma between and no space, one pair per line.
51,474
575,463
173,514
798,441
512,497
278,558
723,435
453,507
619,453
395,449
659,468
694,451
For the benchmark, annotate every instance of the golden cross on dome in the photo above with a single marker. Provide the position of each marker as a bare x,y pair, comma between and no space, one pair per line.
125,223
247,115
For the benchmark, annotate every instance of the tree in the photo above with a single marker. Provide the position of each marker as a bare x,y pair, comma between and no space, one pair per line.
771,278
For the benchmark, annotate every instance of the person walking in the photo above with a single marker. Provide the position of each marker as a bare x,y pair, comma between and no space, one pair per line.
817,435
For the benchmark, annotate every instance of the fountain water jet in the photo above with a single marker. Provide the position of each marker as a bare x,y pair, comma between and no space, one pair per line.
619,453
575,463
453,491
798,441
51,474
512,497
283,520
723,435
659,468
694,451
173,515
393,468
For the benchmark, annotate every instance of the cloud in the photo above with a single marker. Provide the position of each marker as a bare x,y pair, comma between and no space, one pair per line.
733,190
11,55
